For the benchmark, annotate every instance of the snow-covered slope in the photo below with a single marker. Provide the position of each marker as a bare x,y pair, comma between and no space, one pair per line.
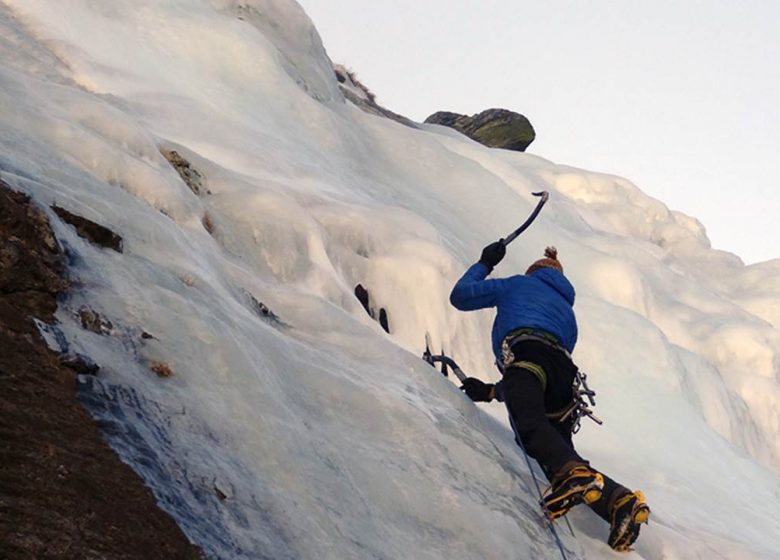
319,436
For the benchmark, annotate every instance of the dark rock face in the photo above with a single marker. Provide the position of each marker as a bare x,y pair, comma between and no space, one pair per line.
264,312
364,298
495,128
92,321
80,364
30,257
191,176
64,493
89,230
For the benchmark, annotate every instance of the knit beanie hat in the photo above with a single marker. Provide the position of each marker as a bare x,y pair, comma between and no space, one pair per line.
550,260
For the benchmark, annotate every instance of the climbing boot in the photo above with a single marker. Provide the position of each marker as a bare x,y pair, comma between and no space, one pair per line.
579,485
628,514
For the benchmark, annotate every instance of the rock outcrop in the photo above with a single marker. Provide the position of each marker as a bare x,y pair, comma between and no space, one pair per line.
495,128
64,493
89,230
363,98
191,176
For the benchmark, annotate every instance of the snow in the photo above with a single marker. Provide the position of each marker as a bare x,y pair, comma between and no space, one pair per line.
321,436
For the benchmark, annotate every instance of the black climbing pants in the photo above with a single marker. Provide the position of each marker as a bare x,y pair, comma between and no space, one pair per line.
530,398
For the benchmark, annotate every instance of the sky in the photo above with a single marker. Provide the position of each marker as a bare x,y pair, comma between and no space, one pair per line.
679,97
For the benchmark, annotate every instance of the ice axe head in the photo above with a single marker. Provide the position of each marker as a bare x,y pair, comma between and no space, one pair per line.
544,195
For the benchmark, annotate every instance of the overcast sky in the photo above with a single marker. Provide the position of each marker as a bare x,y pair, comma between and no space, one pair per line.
682,98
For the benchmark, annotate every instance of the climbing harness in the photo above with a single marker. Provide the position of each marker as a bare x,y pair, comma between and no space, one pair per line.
578,407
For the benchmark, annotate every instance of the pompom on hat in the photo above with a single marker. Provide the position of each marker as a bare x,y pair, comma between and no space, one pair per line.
550,260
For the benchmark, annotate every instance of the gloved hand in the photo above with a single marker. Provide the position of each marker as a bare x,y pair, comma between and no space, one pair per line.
477,390
492,254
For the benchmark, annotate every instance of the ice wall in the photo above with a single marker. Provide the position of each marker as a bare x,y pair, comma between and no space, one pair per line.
318,435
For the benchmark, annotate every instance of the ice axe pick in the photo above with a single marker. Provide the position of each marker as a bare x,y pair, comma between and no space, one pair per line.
512,236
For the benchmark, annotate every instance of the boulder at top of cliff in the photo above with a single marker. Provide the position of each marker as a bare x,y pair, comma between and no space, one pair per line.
495,128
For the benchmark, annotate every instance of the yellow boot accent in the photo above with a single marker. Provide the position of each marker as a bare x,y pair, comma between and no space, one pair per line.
594,495
643,514
580,484
624,531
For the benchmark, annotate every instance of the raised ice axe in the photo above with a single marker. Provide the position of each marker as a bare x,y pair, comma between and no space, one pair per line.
511,237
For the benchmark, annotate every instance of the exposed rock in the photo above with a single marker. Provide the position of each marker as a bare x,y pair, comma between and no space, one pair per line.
362,295
30,258
263,311
89,230
92,321
384,322
208,223
495,128
362,97
365,300
221,496
191,176
80,364
223,491
64,493
349,79
161,369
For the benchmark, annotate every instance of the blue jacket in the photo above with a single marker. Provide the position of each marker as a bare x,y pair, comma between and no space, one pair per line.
543,300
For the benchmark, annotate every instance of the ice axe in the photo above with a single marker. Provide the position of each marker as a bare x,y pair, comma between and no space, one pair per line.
445,361
512,236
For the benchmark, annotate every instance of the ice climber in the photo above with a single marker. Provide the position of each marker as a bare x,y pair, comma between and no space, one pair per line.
534,333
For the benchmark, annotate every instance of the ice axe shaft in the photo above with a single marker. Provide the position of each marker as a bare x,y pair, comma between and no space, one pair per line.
512,236
449,362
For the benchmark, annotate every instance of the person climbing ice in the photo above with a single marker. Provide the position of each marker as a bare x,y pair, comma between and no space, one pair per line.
534,333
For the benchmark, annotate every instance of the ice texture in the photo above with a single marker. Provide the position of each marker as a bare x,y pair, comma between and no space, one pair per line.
317,435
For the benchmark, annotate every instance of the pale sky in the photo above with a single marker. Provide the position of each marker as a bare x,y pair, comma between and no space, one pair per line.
680,97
